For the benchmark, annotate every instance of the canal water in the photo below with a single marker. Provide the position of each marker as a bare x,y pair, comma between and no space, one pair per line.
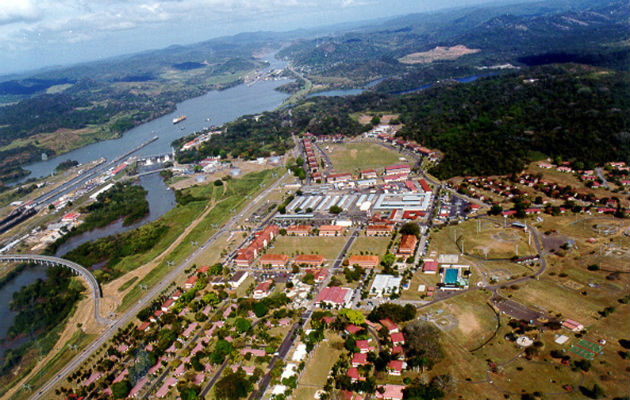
213,108
160,200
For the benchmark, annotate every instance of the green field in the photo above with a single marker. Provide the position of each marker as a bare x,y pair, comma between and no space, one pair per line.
328,247
370,245
318,366
351,157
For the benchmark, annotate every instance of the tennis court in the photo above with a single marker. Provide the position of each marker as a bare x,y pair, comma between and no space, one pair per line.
588,345
582,352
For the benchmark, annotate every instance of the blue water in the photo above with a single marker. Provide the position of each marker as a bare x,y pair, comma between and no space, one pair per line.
450,276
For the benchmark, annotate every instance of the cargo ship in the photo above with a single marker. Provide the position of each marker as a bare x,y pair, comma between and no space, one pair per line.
179,119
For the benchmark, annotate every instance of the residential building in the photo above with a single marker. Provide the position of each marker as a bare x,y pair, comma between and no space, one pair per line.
363,261
274,260
359,359
379,230
369,174
299,230
389,325
407,244
313,260
331,230
190,282
395,367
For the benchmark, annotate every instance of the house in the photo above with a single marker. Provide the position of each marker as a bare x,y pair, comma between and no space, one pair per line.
176,295
430,266
262,290
336,178
167,305
397,338
369,174
572,325
319,274
190,282
395,177
363,346
389,325
353,329
363,261
144,326
70,217
379,230
300,230
334,296
274,260
390,392
395,367
407,244
398,169
331,230
238,278
353,374
314,260
359,359
254,352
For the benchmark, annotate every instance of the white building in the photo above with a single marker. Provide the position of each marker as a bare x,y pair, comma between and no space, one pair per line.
384,285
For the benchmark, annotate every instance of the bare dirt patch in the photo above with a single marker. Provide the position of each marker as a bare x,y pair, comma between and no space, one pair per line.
438,53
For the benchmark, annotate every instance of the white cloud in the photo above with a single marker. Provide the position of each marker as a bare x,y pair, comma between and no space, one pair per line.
12,11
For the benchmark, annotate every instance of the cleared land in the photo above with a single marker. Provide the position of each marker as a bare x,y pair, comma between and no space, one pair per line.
350,157
437,53
318,366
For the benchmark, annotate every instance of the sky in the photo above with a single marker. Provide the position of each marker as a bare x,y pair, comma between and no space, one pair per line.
41,33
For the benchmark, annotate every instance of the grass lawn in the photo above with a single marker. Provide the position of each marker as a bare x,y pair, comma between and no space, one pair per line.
232,197
529,376
292,245
318,366
63,356
491,242
370,245
350,157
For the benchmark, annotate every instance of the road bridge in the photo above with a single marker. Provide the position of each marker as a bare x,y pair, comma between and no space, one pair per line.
76,268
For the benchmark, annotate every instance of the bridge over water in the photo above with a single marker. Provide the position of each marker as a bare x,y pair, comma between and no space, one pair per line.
76,268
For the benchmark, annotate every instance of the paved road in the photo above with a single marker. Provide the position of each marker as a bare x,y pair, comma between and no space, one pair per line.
153,292
600,175
80,270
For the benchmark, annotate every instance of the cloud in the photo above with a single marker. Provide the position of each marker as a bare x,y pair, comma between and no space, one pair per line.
12,11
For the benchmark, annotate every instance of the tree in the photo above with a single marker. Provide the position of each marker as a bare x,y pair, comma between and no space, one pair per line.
233,386
335,209
121,389
422,341
355,317
410,228
395,312
260,309
242,325
375,120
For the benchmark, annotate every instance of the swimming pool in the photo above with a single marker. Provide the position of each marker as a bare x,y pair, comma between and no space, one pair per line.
450,276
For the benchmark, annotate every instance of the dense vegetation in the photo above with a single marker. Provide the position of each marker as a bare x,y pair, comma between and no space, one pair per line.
44,303
123,200
65,165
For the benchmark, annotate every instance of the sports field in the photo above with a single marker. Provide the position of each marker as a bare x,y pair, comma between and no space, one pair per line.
350,157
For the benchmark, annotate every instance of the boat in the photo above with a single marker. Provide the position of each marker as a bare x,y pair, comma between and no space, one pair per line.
179,119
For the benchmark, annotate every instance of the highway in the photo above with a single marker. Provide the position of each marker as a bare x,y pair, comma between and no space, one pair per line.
153,292
83,272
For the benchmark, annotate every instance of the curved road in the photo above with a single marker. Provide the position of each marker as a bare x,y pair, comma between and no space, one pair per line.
153,292
49,260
